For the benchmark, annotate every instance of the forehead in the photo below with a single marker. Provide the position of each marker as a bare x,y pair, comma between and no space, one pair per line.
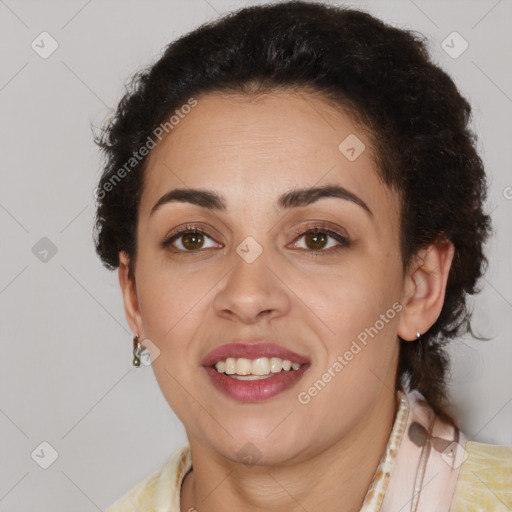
246,146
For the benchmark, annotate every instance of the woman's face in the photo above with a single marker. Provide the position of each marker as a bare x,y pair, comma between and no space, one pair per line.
332,298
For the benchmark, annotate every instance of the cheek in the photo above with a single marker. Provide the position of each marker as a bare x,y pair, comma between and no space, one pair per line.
349,301
356,312
359,357
168,299
172,310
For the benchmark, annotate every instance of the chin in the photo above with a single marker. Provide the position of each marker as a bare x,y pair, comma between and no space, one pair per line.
261,449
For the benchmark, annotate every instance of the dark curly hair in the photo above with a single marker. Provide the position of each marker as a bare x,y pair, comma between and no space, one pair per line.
417,121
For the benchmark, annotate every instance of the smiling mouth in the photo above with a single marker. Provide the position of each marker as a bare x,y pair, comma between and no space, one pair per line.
254,369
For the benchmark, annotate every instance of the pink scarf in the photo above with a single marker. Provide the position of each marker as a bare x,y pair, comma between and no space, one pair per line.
427,462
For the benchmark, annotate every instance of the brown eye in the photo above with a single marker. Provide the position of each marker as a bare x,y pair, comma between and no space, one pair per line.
188,240
317,240
192,240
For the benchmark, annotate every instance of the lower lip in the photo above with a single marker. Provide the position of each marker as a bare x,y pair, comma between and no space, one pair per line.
256,390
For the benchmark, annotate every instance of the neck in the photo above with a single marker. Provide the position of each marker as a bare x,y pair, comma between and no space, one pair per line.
336,478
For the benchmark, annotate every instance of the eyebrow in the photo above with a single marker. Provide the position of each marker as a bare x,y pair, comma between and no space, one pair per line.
211,200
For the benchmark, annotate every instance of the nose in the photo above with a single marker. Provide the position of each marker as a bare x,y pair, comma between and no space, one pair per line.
252,292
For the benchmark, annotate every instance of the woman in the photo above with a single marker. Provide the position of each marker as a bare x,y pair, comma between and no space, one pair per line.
293,200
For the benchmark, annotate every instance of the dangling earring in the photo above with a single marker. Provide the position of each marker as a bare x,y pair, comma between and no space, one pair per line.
137,349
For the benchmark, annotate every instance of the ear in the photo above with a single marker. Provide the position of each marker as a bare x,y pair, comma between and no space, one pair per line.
424,289
129,291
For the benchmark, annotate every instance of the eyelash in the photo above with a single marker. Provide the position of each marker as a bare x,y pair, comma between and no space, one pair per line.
342,239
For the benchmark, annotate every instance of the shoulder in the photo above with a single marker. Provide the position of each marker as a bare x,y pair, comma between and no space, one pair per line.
138,497
485,479
158,492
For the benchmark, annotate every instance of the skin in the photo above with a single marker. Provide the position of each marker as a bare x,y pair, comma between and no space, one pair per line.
318,456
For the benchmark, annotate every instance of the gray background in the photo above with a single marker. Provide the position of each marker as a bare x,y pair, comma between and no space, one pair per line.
66,374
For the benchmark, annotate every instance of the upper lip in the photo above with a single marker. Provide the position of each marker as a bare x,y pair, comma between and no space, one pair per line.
251,350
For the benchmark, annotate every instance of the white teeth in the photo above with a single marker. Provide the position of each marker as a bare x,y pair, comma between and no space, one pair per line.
247,369
230,367
243,366
276,364
261,366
